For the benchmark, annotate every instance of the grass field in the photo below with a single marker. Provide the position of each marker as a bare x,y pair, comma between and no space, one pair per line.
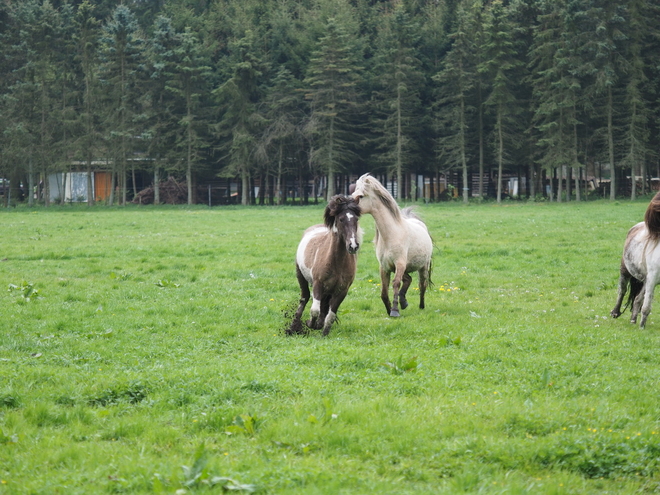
142,351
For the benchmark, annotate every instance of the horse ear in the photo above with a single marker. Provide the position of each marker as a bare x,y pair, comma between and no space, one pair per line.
329,213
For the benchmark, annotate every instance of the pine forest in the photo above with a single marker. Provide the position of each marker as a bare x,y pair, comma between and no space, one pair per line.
289,101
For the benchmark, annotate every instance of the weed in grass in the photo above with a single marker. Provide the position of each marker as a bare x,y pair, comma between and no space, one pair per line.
246,424
401,366
26,290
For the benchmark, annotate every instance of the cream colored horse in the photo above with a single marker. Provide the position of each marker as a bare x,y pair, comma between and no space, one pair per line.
403,243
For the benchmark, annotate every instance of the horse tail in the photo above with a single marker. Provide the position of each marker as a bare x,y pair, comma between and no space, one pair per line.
409,212
636,287
652,218
430,282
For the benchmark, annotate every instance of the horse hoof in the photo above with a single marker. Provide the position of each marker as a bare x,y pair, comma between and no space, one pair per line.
403,304
394,314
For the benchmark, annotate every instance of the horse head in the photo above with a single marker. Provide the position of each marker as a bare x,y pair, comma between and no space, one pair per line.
341,217
371,195
361,189
652,217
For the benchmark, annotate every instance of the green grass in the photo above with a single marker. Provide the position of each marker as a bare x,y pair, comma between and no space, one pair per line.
137,341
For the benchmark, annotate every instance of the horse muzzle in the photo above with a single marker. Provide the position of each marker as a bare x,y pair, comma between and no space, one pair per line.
352,249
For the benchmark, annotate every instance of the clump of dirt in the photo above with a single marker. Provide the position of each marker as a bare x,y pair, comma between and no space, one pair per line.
291,325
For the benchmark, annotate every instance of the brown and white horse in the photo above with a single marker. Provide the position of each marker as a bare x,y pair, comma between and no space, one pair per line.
326,260
640,265
403,243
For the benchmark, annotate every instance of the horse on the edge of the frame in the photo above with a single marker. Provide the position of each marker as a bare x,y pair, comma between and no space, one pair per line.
326,260
640,265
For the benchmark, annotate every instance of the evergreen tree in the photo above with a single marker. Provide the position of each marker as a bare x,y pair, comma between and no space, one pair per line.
44,41
20,97
31,103
284,130
636,130
500,65
474,9
554,90
397,102
601,51
241,122
456,86
161,120
331,81
189,83
122,46
68,91
87,37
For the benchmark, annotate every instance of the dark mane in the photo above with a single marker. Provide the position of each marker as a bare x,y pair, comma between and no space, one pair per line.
336,206
652,217
384,196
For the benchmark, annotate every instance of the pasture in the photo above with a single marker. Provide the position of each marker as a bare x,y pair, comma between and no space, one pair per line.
142,350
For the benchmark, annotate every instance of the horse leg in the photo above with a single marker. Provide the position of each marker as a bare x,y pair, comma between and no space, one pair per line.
636,306
331,317
624,279
315,310
407,280
423,284
325,307
649,287
296,325
385,288
396,286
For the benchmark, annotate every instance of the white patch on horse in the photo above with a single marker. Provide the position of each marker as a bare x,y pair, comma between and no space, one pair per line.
329,319
354,244
349,216
316,308
302,247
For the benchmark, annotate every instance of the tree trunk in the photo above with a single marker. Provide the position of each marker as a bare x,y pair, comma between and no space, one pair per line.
90,183
30,180
331,166
156,185
500,155
578,172
278,187
399,146
463,156
113,184
610,142
245,185
481,142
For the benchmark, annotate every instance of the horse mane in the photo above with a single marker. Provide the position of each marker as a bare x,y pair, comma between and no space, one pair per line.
383,194
652,217
337,205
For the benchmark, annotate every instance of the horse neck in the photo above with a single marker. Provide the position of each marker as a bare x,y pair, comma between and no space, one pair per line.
388,225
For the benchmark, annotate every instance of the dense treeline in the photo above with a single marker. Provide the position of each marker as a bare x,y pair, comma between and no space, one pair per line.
272,91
